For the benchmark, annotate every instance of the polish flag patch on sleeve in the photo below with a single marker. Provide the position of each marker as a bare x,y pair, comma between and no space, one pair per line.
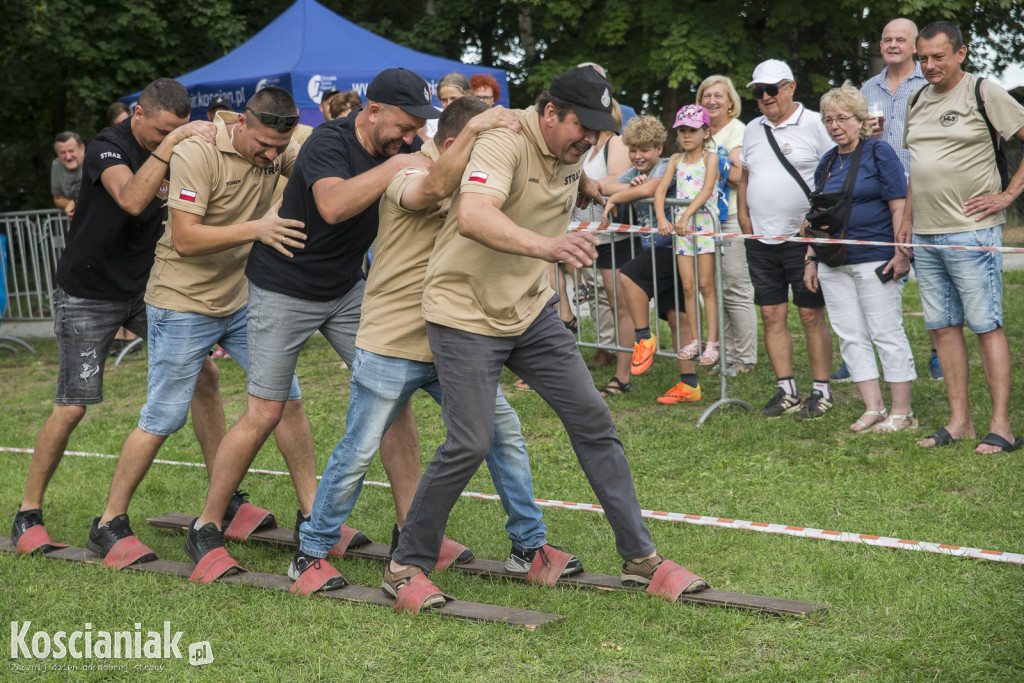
187,195
478,177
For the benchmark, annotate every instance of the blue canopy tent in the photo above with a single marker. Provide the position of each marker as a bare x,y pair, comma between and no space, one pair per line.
308,50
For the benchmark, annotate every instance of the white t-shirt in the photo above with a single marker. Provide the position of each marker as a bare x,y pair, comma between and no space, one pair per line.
776,202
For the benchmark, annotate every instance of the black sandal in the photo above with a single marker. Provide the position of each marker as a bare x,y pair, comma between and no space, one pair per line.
572,325
616,387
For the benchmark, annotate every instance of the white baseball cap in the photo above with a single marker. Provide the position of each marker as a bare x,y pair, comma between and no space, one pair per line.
771,71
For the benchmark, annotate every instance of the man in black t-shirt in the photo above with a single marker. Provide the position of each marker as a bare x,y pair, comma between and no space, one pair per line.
101,280
334,189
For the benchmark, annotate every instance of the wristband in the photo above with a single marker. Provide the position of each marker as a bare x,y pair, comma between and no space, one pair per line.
810,259
153,154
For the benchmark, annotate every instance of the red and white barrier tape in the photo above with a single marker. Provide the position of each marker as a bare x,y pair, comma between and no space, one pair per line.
764,527
591,226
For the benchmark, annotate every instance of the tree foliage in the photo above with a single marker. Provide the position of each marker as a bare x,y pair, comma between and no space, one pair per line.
63,61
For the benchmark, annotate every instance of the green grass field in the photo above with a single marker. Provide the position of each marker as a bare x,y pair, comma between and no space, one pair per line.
894,615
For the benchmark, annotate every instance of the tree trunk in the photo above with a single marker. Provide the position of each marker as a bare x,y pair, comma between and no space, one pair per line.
526,38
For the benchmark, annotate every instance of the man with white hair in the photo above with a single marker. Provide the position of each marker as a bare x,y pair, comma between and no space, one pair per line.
772,201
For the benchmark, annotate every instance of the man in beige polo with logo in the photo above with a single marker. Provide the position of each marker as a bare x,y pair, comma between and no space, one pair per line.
393,358
956,199
220,203
488,304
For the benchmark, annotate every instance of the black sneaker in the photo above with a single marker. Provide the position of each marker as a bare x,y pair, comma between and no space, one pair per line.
781,403
238,499
103,538
519,562
23,521
816,405
198,542
301,562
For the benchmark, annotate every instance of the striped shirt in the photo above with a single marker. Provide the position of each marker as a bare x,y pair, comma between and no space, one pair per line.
894,105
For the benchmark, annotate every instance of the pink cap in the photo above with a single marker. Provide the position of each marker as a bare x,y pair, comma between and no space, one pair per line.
692,116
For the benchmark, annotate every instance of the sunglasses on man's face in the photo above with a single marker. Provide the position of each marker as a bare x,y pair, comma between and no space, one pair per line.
282,124
770,90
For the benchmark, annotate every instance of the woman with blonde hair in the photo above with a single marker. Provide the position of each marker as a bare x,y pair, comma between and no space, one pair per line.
718,96
864,295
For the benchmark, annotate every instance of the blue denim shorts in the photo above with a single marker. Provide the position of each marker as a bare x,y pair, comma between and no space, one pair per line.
961,286
85,329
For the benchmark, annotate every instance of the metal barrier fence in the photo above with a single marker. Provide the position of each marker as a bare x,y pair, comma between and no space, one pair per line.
35,241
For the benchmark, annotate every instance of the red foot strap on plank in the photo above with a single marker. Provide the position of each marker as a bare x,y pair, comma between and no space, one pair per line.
412,596
451,552
670,580
248,519
548,565
35,538
127,552
316,577
347,534
214,565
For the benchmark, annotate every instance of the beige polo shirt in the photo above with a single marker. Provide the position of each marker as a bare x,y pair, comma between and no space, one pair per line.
392,318
478,289
952,158
222,186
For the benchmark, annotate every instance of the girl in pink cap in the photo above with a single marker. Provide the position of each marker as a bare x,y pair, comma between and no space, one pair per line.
695,173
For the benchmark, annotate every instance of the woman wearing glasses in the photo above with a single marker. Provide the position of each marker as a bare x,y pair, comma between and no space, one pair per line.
863,296
486,88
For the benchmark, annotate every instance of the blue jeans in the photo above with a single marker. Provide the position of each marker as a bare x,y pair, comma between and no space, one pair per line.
379,388
178,344
959,286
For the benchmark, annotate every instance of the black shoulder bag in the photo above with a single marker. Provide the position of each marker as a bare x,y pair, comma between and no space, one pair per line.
829,216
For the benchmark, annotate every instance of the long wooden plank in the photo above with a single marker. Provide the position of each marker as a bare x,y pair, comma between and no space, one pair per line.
381,553
363,595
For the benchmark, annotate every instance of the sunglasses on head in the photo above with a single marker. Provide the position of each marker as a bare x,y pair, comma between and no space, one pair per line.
282,124
770,90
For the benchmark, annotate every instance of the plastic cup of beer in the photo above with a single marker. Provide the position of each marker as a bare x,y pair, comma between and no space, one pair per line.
876,112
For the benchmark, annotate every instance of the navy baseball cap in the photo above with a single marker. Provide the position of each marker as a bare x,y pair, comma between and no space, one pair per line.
590,95
405,90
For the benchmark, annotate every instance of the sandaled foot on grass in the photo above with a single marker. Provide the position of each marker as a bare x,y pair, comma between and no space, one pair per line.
616,387
994,443
690,351
869,419
942,437
896,423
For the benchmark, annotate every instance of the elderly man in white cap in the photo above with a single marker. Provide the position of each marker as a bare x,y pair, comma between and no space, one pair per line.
781,150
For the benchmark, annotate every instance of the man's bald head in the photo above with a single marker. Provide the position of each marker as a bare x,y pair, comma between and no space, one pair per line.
898,44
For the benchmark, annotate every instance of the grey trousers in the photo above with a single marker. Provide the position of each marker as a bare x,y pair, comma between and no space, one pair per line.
545,356
740,332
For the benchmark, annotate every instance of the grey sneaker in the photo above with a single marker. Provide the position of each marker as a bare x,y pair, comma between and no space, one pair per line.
816,405
781,403
519,561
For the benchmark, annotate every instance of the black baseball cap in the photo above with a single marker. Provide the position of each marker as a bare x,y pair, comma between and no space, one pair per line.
590,95
328,94
405,90
219,103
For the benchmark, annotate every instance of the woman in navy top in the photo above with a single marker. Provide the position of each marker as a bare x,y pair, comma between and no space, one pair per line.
863,296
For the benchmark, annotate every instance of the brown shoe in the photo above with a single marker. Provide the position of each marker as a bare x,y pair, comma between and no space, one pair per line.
411,589
601,359
640,574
